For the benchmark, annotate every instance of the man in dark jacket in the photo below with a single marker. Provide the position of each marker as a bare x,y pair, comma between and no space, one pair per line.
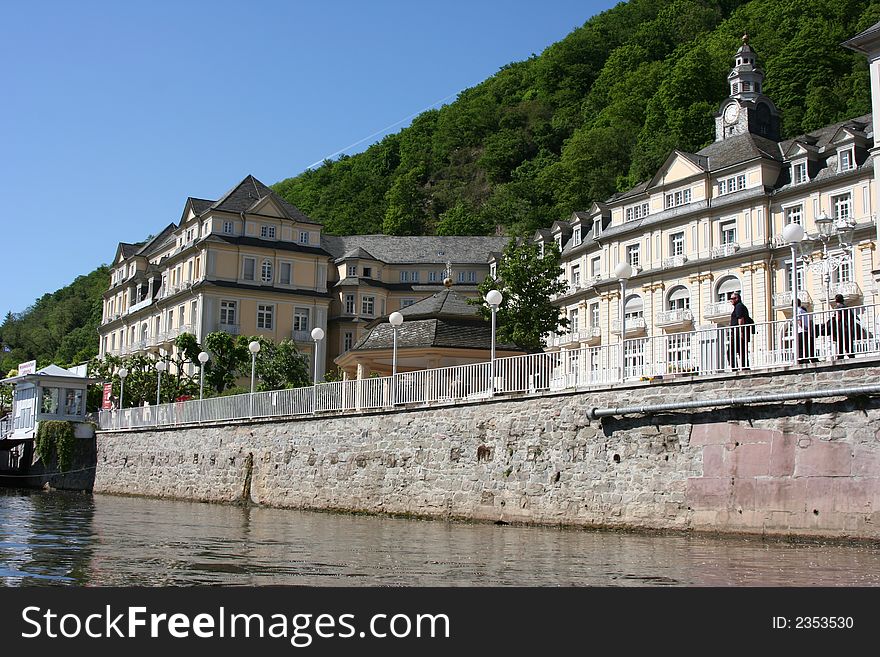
842,328
740,332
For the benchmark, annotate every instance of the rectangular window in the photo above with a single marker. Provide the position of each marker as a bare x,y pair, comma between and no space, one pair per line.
846,160
461,277
73,402
193,313
681,197
576,235
842,206
250,269
228,312
472,277
632,255
844,272
800,277
368,306
595,272
732,184
794,214
169,320
728,232
404,277
636,212
676,244
349,304
799,173
352,270
180,315
368,272
433,276
594,315
284,273
267,232
406,302
575,275
300,319
347,340
573,321
304,237
51,397
265,315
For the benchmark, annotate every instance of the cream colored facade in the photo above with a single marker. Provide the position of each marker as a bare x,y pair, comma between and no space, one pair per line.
710,223
252,264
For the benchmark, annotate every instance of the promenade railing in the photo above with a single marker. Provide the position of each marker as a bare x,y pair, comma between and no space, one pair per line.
822,337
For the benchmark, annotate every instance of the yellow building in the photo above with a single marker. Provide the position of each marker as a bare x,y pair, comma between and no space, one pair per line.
253,264
710,223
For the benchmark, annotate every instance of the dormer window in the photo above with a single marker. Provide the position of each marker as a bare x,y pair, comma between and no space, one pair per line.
541,248
597,228
681,197
267,232
732,184
635,212
846,160
228,227
559,242
576,236
799,173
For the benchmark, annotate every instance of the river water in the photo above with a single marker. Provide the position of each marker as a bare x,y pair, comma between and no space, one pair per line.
55,538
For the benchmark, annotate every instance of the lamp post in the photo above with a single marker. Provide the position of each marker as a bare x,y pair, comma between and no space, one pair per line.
494,299
317,336
203,358
792,235
122,374
160,367
254,348
395,319
623,271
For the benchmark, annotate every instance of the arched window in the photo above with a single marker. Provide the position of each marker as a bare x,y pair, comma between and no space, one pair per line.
679,298
633,306
726,286
266,271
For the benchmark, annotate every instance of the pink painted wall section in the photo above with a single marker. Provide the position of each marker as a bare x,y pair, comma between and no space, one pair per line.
775,481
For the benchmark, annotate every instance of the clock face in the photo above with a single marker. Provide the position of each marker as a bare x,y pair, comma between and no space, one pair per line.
731,112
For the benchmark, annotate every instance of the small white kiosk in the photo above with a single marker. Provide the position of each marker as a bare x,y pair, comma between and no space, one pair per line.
52,393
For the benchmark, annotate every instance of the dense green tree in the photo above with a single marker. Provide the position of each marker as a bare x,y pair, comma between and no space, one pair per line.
527,280
229,354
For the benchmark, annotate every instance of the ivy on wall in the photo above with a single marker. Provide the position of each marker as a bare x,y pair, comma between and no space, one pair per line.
55,438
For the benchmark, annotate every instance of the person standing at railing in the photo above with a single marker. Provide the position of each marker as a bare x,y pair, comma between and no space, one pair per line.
806,343
740,332
842,328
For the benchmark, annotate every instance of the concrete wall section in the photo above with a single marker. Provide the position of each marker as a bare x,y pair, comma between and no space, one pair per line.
806,468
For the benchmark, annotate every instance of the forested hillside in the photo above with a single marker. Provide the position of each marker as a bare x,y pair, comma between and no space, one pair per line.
61,327
595,113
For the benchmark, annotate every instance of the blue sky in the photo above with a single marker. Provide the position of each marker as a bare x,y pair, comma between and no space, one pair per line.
115,112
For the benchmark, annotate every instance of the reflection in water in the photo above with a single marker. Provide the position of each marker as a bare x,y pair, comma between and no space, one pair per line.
57,538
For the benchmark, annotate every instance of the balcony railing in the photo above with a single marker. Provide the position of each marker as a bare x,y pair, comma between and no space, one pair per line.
718,310
300,336
850,291
725,250
231,329
679,317
634,326
674,261
693,353
783,299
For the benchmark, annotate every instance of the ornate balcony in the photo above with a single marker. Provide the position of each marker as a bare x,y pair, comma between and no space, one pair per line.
674,261
675,320
591,336
301,336
782,301
851,292
231,329
717,311
634,326
725,250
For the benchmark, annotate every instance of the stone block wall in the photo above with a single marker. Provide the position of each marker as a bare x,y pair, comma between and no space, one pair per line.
800,468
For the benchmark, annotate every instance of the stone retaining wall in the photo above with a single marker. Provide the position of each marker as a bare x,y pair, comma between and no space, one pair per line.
804,468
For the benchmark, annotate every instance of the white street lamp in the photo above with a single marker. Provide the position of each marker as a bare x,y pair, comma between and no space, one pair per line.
317,336
792,235
254,348
623,271
494,299
122,374
395,319
160,367
203,358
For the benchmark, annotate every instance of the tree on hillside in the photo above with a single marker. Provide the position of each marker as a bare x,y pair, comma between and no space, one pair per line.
527,280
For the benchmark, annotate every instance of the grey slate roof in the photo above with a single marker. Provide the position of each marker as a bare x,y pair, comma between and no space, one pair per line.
737,149
415,249
249,192
451,334
129,250
446,303
200,205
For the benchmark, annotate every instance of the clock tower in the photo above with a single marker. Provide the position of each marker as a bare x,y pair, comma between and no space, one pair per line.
747,109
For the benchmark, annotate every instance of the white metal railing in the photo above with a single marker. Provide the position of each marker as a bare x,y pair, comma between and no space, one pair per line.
725,250
823,336
673,261
718,309
784,298
674,317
